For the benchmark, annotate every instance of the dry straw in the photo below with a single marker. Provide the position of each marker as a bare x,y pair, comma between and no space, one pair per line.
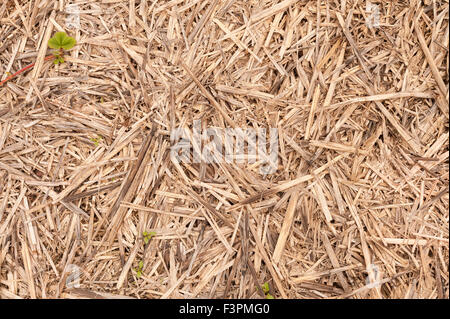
358,206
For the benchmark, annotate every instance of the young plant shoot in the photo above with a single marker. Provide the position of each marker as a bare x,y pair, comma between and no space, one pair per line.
60,42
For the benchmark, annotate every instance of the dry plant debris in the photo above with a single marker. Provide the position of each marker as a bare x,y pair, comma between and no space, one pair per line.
358,205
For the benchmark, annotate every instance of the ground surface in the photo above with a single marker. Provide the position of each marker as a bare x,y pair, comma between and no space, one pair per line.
357,206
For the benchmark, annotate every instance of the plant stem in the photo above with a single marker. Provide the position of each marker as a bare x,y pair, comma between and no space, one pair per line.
24,69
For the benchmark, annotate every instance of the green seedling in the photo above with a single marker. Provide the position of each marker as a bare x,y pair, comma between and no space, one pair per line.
60,41
139,269
148,236
96,140
265,288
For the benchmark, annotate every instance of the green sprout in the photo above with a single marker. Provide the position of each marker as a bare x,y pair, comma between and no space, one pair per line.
148,236
265,288
139,269
61,41
96,140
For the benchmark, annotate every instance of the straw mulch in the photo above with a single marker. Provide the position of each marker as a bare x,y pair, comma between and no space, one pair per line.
358,205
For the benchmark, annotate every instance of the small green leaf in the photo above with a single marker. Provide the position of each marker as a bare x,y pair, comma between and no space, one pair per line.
58,60
61,41
69,43
269,296
141,265
148,236
265,287
54,42
96,140
138,274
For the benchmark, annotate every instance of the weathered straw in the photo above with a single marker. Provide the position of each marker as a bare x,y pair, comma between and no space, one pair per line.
358,204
